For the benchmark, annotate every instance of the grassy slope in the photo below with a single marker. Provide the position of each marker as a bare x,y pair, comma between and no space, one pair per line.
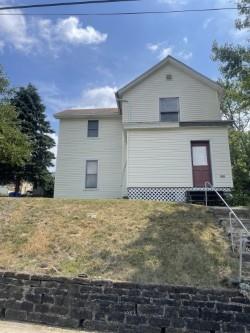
128,240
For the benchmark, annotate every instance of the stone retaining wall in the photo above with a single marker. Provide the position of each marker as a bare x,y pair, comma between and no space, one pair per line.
121,307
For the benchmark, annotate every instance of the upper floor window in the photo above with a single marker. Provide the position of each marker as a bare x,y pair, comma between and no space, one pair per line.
169,109
93,128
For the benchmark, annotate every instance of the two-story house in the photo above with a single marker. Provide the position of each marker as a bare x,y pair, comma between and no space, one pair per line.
164,140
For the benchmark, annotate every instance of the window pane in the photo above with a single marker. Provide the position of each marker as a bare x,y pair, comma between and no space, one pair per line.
199,155
91,167
91,181
170,104
93,128
92,133
170,116
93,124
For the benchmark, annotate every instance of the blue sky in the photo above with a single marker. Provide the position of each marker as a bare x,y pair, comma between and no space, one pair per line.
79,61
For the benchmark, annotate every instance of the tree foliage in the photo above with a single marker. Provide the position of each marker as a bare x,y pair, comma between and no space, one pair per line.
235,105
14,145
32,119
240,152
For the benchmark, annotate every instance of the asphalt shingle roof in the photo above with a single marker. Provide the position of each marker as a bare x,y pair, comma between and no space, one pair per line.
82,113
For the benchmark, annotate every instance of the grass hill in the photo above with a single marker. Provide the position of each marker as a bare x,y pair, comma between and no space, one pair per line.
140,241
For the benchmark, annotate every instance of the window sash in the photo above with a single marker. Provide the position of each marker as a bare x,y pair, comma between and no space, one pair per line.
170,116
169,104
91,174
93,128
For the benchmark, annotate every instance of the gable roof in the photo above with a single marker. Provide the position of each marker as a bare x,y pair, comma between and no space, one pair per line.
89,113
173,61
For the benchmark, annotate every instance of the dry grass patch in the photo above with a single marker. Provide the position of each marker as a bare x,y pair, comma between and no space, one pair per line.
116,239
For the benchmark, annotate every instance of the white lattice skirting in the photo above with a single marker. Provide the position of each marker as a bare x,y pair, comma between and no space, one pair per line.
176,194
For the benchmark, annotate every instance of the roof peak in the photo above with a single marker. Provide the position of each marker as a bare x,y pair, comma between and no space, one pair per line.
177,63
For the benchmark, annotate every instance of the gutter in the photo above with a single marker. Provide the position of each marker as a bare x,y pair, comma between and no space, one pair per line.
206,123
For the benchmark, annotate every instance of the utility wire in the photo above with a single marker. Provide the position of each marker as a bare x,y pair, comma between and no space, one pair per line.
58,4
130,13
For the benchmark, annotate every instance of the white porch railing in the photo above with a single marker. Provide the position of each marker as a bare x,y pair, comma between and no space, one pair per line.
239,234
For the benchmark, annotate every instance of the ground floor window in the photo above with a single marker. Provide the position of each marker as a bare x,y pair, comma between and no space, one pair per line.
91,174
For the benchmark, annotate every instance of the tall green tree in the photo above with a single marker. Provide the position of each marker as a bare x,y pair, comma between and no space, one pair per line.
235,69
240,152
14,145
32,119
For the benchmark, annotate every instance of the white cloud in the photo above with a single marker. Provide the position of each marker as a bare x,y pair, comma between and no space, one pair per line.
153,47
174,2
224,23
239,36
163,49
2,44
14,31
70,30
43,35
185,55
98,97
103,96
207,22
165,52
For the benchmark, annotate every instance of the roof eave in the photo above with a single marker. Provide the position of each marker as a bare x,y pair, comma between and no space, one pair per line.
86,116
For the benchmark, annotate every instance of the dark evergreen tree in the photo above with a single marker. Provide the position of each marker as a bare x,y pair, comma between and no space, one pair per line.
32,122
14,146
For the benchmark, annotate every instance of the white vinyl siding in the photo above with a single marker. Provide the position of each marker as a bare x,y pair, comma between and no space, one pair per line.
75,148
160,157
197,100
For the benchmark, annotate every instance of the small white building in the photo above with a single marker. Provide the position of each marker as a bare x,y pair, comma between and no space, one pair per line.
164,140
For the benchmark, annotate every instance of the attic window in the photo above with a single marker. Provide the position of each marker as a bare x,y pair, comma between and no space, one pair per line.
169,77
169,109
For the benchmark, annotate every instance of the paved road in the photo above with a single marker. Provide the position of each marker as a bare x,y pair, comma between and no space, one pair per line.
11,327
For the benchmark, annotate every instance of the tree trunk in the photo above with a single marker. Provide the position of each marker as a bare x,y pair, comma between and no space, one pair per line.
17,185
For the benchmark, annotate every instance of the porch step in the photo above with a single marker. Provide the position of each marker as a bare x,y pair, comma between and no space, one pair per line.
234,231
199,197
221,212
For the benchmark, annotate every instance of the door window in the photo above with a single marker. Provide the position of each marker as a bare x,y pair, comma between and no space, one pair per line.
199,155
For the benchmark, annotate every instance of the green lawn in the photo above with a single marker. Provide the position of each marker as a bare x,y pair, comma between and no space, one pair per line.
141,241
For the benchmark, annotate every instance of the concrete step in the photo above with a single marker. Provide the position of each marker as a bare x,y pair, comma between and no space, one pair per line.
246,258
224,211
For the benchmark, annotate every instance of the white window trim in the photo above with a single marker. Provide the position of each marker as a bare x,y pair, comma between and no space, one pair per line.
99,130
179,113
85,174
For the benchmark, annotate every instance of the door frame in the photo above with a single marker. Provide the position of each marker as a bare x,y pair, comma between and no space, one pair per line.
207,143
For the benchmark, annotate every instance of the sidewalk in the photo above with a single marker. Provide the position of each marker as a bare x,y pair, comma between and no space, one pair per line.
12,327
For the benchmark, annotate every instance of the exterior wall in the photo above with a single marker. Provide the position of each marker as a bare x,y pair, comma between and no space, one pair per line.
197,100
124,164
75,148
162,158
118,307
